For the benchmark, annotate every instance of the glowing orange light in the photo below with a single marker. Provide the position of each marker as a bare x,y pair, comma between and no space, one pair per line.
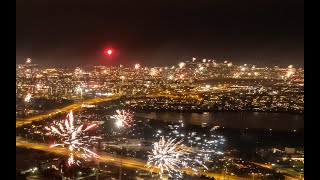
137,66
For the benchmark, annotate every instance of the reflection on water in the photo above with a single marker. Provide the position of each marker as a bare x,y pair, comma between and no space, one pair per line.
279,121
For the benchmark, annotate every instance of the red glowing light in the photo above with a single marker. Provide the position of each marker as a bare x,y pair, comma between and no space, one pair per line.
108,52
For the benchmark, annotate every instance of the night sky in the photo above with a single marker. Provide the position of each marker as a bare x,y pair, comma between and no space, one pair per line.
157,33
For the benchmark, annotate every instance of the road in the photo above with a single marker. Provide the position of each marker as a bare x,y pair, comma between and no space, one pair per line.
293,174
262,165
132,163
20,122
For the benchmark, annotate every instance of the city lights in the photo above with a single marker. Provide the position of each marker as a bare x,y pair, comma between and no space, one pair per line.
137,66
204,87
168,91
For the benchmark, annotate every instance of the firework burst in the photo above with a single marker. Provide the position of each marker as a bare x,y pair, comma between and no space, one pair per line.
27,98
181,65
154,72
123,118
214,128
79,90
166,155
74,138
137,66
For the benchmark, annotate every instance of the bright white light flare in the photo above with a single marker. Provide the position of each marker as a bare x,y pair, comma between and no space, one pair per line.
137,66
166,155
123,118
28,61
154,72
289,73
74,138
27,98
182,65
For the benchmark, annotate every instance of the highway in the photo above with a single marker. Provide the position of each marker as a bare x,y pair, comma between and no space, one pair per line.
20,122
293,174
132,163
262,165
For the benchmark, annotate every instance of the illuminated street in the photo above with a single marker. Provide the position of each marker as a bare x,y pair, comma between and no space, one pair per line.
20,122
116,160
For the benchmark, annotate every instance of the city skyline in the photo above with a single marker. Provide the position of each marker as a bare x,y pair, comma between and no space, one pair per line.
154,115
160,90
263,33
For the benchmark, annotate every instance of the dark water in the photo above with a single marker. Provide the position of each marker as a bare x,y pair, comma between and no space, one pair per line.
279,121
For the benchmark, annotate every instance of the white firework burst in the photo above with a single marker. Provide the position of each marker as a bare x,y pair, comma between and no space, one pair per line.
27,98
214,128
137,66
154,72
182,65
166,156
78,89
74,138
123,118
72,161
28,61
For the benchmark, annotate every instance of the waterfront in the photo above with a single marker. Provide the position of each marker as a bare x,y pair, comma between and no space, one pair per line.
255,120
252,144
